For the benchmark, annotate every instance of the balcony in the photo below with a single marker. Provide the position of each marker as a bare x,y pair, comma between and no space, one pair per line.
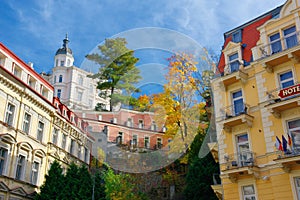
217,186
283,99
238,164
288,159
232,74
234,116
279,51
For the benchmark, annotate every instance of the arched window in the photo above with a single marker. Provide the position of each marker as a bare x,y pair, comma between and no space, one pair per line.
60,78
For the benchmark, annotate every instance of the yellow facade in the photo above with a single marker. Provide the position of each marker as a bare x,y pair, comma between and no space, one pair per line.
251,167
33,131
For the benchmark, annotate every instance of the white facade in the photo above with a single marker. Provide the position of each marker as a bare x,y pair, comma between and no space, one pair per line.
72,84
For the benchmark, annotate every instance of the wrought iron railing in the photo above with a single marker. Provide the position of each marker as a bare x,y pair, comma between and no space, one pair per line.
234,110
279,45
242,159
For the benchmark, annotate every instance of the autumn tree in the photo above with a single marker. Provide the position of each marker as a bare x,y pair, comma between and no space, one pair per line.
117,72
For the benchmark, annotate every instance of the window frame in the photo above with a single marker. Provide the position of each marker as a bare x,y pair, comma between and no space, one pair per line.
40,131
10,115
281,82
20,167
26,123
35,172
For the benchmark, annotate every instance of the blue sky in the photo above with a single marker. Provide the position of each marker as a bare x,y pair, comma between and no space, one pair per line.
34,30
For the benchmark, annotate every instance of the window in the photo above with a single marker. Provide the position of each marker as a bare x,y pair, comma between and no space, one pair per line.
72,146
62,63
120,138
79,152
153,126
243,150
56,62
297,185
237,36
26,123
31,82
141,124
58,93
79,96
68,62
129,122
80,80
10,112
286,79
20,170
290,37
275,43
63,141
248,192
234,62
159,143
3,159
55,135
40,131
34,172
17,71
54,79
134,140
60,78
294,132
238,103
146,142
86,154
91,89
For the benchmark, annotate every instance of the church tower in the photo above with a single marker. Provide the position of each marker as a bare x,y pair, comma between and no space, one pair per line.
64,56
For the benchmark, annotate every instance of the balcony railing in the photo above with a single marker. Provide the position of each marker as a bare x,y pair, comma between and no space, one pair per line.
238,160
279,45
234,110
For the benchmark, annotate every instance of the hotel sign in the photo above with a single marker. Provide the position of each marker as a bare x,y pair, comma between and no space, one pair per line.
290,91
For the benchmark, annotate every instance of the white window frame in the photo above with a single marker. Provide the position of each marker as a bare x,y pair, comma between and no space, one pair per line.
10,114
55,134
26,123
40,131
23,167
63,141
145,144
34,177
5,159
286,80
246,196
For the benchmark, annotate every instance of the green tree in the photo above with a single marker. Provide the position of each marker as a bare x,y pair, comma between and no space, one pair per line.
85,191
117,70
71,183
54,182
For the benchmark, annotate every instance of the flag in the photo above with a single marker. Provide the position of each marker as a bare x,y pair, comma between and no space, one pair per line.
289,140
278,144
284,144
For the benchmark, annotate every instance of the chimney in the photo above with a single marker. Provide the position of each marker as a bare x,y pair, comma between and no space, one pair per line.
30,64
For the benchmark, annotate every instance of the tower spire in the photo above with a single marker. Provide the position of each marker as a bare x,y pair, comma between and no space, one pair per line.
66,41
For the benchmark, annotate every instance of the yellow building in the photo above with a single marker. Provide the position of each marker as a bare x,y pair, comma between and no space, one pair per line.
34,129
257,107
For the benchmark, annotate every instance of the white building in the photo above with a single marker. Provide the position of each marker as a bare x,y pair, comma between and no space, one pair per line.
72,85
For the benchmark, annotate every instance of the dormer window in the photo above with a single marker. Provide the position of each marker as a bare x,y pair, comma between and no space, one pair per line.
275,43
237,36
234,62
290,37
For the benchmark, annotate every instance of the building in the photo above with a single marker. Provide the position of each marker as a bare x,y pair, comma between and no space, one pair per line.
35,129
135,130
257,107
73,86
